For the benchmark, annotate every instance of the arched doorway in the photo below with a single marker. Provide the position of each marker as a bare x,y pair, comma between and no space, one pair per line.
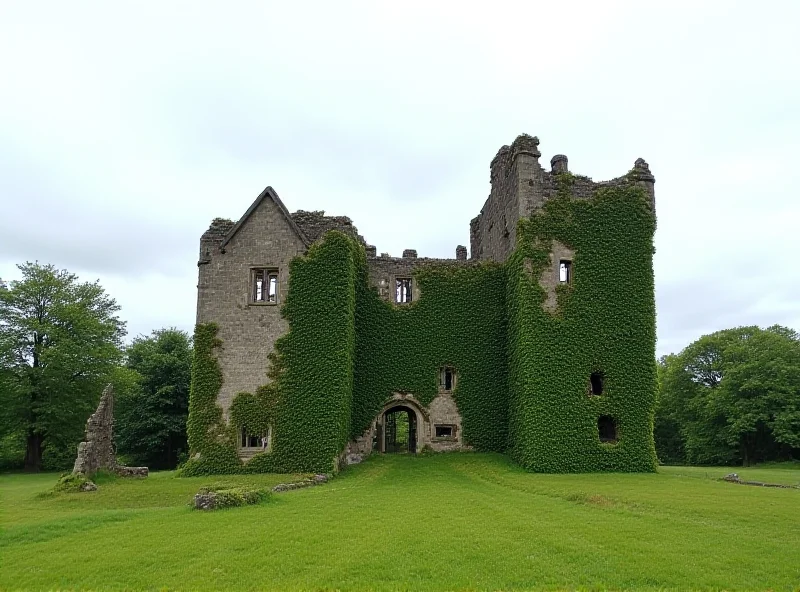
397,430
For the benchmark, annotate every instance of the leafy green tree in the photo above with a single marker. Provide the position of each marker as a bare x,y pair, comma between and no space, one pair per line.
666,429
151,415
734,396
59,341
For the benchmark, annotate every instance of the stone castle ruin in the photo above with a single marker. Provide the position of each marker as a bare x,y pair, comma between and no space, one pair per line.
244,279
97,451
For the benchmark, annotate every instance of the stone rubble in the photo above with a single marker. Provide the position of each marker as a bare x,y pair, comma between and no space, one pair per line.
97,451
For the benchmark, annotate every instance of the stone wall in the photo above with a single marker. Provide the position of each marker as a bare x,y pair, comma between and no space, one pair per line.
384,270
521,186
442,411
315,224
97,450
516,188
224,293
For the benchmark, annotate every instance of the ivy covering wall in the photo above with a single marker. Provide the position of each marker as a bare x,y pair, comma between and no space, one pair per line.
605,323
522,370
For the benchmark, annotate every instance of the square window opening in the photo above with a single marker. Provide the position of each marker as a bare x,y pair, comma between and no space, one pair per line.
249,440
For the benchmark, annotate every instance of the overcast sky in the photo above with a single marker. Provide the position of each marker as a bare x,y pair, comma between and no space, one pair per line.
124,129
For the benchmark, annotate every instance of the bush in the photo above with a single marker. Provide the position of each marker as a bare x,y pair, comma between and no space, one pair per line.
215,497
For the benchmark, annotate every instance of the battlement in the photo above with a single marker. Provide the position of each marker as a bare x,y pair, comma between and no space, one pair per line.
520,186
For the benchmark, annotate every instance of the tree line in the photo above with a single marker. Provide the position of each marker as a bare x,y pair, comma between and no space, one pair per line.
61,342
731,397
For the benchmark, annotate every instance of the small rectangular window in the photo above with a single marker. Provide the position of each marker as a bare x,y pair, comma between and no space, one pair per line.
444,431
265,285
565,271
403,290
446,379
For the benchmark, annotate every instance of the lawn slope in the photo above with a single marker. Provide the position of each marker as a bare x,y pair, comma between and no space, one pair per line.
450,521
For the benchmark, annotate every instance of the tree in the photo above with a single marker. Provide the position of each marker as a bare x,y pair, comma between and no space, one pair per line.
151,416
666,429
59,341
734,396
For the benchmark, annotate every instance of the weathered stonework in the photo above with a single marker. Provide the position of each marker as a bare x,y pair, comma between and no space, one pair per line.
97,451
550,277
268,238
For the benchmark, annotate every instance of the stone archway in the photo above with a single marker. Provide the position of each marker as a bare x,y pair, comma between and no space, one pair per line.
396,430
374,439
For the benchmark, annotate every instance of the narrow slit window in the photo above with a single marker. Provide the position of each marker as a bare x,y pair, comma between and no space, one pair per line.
259,286
565,271
444,431
448,379
272,287
403,290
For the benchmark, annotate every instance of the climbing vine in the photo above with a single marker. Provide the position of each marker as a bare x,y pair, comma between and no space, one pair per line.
605,323
522,368
211,443
459,321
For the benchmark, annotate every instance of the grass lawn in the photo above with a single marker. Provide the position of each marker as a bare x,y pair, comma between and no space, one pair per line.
443,522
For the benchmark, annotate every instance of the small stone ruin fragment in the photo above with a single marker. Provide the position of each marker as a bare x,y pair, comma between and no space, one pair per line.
97,451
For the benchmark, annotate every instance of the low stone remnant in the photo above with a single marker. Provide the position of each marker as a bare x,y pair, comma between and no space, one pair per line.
215,497
354,459
97,451
124,471
734,478
315,480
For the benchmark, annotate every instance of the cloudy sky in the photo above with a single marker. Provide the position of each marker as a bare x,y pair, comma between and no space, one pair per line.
125,129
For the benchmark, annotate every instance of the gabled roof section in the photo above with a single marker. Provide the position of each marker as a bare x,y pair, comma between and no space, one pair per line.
268,193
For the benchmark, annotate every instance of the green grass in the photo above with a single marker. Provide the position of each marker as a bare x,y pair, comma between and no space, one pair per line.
442,522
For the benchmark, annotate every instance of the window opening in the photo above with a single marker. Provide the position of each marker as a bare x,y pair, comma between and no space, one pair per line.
565,271
265,285
607,429
272,288
252,441
596,384
444,431
447,379
403,290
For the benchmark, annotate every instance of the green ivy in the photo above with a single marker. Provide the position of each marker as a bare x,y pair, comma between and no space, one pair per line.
522,372
211,442
605,323
459,321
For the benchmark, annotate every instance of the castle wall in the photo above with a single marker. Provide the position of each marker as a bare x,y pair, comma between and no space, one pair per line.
517,189
383,271
248,331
